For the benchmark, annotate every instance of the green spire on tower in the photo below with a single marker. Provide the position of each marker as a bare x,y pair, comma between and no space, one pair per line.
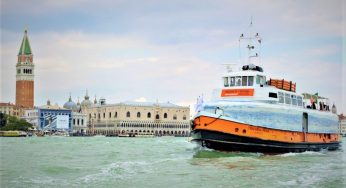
25,47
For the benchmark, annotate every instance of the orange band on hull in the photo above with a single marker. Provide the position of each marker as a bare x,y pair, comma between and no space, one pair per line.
237,92
240,129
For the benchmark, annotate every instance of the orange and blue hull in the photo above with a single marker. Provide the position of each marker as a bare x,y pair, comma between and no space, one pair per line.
223,134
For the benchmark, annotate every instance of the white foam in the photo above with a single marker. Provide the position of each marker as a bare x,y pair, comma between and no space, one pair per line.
303,153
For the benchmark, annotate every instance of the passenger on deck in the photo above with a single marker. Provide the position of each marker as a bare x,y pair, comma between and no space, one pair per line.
321,105
313,106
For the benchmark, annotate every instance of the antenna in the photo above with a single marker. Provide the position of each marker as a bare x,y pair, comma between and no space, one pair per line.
250,46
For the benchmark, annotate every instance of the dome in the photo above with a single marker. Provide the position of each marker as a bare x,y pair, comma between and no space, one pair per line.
86,102
78,106
70,105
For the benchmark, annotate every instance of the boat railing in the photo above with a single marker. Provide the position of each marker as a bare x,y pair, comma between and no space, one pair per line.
283,84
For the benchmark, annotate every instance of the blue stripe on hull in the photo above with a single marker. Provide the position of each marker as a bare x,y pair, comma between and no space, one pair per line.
271,116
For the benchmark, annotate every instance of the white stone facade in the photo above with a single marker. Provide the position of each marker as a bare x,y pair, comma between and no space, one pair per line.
342,125
138,118
32,116
79,123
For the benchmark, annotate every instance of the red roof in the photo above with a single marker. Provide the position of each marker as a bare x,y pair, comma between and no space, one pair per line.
9,104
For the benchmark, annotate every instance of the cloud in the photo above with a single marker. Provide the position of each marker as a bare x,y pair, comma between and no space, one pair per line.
140,99
73,61
172,50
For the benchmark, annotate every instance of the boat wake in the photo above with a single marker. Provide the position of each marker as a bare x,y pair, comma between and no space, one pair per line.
316,153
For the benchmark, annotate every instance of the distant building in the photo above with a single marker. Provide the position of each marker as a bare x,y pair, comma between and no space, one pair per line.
71,105
86,103
25,75
79,120
50,117
138,118
12,109
342,124
79,123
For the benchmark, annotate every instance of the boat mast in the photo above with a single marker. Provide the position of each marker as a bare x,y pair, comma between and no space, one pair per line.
251,46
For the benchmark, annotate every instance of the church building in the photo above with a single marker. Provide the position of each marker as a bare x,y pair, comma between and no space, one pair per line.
25,75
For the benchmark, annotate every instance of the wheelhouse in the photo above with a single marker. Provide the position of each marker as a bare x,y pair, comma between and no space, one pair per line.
248,77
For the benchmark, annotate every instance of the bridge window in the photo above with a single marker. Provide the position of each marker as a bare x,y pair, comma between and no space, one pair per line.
281,97
287,98
244,81
232,81
225,80
238,81
260,79
250,81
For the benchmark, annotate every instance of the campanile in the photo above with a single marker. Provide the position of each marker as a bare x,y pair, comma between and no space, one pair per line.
25,74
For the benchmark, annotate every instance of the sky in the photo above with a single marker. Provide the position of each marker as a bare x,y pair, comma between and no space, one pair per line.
149,50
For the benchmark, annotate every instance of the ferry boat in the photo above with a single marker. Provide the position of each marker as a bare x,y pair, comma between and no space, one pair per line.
252,113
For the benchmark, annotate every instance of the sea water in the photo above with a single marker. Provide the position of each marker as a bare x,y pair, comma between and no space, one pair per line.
158,162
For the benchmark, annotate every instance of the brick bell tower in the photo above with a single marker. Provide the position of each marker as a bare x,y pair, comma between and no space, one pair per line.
25,74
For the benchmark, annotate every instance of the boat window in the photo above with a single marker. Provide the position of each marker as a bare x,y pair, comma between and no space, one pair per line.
281,97
287,98
260,80
299,99
238,80
250,81
244,81
294,100
273,95
232,81
257,79
225,81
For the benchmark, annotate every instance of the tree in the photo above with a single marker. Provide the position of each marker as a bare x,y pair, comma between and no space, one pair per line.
2,120
15,124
